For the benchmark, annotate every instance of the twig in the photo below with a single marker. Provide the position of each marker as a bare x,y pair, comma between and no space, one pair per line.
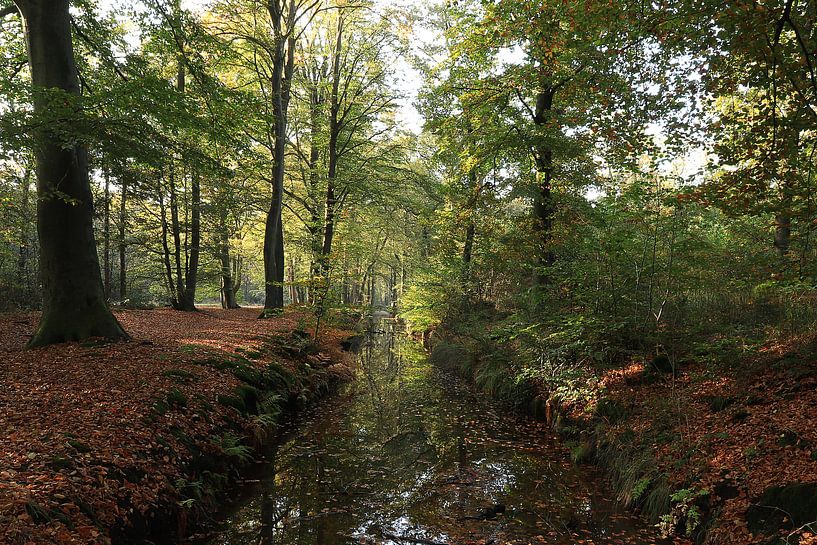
421,540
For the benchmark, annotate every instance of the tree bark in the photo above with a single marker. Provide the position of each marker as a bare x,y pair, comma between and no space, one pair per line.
280,81
186,275
293,291
123,220
228,287
332,167
543,207
23,263
171,285
106,243
74,305
316,225
177,295
192,265
782,233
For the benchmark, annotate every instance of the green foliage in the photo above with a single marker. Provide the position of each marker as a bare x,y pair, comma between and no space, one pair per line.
232,447
581,453
233,401
449,355
634,475
180,375
610,410
176,398
79,446
686,511
44,515
640,488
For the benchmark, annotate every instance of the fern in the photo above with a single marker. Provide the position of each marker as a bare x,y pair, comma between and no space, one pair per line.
232,447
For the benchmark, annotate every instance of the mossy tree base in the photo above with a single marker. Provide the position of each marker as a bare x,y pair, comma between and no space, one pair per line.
77,324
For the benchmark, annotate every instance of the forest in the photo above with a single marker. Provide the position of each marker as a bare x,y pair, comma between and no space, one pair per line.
436,272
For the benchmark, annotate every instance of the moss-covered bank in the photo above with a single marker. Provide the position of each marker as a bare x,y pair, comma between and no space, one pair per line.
268,395
115,442
678,440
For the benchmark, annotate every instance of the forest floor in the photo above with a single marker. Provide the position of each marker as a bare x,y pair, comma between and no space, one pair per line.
722,449
726,429
97,436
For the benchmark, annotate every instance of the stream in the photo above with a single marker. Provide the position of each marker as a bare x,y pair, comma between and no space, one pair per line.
409,454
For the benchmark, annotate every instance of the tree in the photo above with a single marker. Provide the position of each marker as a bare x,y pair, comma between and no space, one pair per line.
74,303
265,37
546,82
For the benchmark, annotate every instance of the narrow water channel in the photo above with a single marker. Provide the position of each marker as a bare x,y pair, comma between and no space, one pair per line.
408,454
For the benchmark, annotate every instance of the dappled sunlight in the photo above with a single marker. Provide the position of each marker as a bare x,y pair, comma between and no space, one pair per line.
410,453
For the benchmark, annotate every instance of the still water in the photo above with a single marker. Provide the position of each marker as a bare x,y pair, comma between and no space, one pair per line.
408,454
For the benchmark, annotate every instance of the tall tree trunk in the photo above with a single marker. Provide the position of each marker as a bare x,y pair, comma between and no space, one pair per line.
123,221
192,266
236,261
543,207
74,304
293,292
782,232
332,167
23,265
468,247
280,81
171,284
790,143
316,225
186,275
106,234
228,298
176,233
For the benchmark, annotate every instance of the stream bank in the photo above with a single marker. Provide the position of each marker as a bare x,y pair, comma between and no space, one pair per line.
410,453
134,441
716,445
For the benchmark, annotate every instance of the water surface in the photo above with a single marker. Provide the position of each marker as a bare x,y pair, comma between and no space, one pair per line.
409,454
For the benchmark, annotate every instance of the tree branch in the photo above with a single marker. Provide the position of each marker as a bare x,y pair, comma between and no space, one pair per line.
8,10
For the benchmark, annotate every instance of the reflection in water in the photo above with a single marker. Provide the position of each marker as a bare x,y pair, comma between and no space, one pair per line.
408,454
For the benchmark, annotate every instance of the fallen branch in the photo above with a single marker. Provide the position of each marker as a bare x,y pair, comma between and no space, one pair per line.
421,540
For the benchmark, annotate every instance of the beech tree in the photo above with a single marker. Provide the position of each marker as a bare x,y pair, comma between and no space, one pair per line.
74,303
265,37
547,81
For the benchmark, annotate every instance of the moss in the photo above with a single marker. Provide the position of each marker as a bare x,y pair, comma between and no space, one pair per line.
740,415
58,463
719,403
790,438
44,515
783,507
249,396
189,348
448,355
180,375
160,407
271,313
249,374
232,401
538,408
659,363
215,363
582,453
610,410
86,508
79,446
176,399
